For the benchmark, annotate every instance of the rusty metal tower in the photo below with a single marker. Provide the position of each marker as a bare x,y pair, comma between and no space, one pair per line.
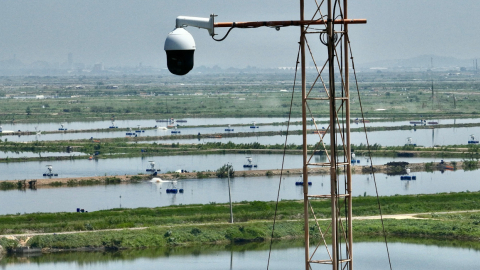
333,91
329,23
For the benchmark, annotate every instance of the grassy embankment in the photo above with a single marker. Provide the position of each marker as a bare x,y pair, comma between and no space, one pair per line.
190,224
211,249
120,147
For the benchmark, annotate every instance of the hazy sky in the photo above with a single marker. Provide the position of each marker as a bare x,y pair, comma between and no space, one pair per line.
129,32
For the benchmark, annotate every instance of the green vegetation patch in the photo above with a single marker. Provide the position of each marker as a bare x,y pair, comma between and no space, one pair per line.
243,212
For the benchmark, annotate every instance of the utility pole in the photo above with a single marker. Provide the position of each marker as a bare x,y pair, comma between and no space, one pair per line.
230,194
433,96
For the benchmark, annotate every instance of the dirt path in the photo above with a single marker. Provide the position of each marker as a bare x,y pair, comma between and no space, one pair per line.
396,216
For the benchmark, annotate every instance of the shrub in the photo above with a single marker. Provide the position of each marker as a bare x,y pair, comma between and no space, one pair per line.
223,171
469,165
201,175
112,180
135,178
6,185
56,184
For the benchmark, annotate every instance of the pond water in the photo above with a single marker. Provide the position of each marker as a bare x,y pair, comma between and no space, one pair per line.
421,137
145,123
201,122
425,137
9,154
289,255
204,191
131,166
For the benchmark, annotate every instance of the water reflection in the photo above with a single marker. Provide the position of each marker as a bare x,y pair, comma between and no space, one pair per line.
421,254
131,166
204,191
424,137
201,122
10,154
421,137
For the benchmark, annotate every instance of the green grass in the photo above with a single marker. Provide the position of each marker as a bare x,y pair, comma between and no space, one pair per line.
243,212
460,227
406,95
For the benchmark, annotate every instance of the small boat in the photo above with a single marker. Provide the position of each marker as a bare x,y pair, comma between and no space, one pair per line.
432,123
152,167
181,120
472,140
410,142
50,173
361,120
215,136
113,125
417,122
249,163
300,183
319,131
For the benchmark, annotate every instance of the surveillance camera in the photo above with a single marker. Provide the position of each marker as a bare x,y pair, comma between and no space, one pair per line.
179,47
277,28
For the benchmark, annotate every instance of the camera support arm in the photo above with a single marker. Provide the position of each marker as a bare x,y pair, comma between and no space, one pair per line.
209,23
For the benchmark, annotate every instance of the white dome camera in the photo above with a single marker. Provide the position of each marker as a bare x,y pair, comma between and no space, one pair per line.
179,47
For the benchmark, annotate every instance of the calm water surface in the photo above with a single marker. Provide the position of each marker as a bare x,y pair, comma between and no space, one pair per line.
201,122
9,154
421,137
204,191
425,137
129,166
368,256
145,123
